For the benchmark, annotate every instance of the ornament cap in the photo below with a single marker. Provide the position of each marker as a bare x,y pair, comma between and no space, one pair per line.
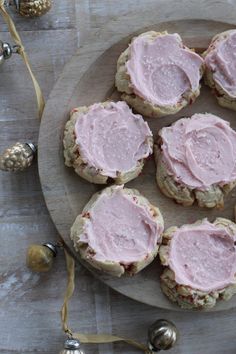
162,335
32,146
72,344
7,50
17,4
52,248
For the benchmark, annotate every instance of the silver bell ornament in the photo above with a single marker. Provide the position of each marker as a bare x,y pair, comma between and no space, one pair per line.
39,258
72,346
162,335
17,157
5,51
31,8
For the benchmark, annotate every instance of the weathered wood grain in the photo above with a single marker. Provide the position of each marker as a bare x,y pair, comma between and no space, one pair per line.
30,304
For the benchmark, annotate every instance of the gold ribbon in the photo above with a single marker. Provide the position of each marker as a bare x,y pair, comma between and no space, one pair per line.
21,51
87,338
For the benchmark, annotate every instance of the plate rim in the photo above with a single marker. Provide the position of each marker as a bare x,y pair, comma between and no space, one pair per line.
41,169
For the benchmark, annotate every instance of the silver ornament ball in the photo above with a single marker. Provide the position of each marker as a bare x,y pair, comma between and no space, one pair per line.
162,335
72,346
17,157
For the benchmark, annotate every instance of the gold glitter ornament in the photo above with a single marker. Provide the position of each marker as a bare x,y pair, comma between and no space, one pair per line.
39,258
17,157
32,8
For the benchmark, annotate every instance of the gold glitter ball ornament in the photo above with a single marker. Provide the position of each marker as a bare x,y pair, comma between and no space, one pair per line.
17,157
39,258
33,8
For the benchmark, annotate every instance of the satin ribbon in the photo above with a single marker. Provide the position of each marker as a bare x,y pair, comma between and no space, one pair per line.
21,51
88,338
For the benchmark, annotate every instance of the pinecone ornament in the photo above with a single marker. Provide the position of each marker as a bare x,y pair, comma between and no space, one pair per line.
18,157
33,8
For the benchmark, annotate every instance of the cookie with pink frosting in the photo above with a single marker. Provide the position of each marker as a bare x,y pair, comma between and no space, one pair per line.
118,232
196,160
200,263
158,75
107,141
220,63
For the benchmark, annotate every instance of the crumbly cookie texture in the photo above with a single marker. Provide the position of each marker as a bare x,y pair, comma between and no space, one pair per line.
123,84
213,197
185,296
223,98
86,253
90,173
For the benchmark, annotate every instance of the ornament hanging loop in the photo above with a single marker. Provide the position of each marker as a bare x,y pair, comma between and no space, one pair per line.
16,49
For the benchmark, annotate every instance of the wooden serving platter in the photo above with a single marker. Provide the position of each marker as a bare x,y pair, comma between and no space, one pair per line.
66,193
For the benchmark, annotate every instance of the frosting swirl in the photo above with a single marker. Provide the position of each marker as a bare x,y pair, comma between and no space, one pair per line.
203,257
120,230
200,151
221,60
111,138
161,69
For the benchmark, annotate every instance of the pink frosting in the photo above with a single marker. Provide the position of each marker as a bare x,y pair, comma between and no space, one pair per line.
221,60
112,139
203,257
200,151
162,70
119,230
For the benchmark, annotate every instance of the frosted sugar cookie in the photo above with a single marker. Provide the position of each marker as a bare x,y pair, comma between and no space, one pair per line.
158,75
196,160
106,141
118,232
200,263
220,62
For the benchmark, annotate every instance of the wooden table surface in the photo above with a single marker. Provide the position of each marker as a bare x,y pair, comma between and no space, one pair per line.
30,303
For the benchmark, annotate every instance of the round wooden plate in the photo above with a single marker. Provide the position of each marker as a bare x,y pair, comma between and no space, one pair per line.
66,193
